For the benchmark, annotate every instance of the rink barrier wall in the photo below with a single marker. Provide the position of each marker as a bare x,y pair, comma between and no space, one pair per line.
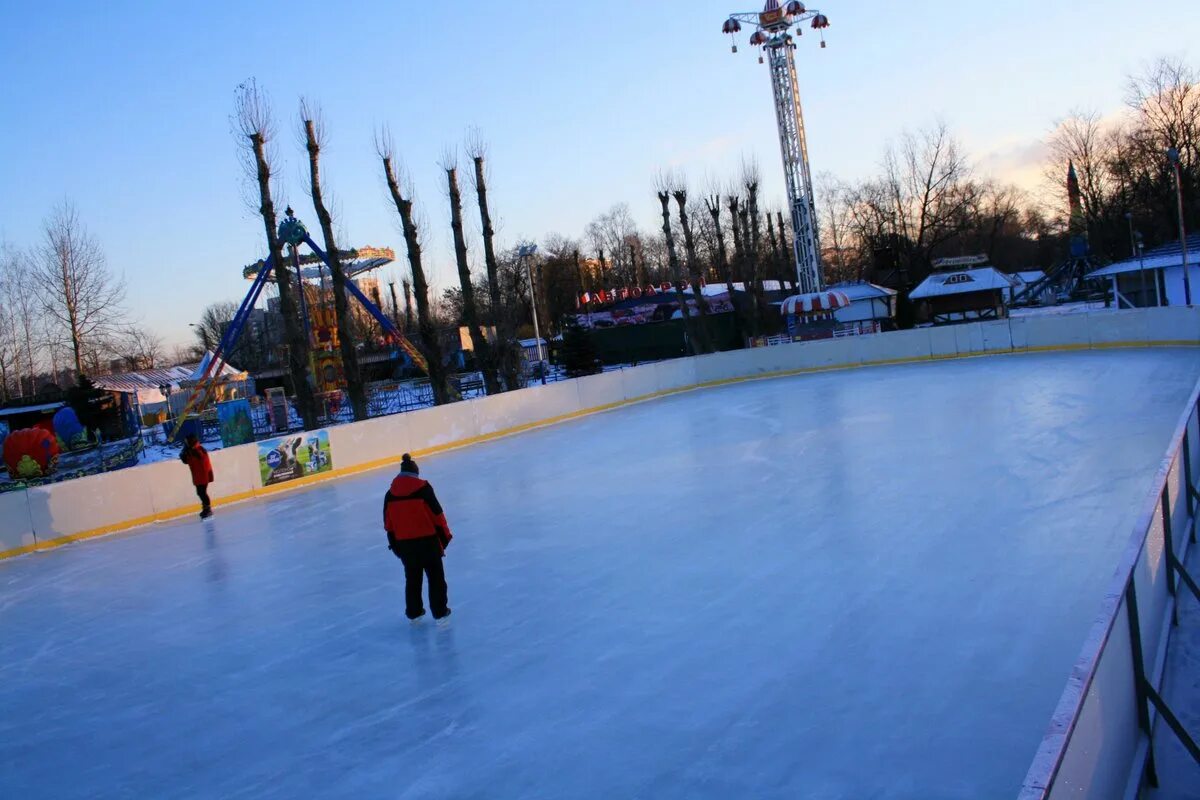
49,516
1100,740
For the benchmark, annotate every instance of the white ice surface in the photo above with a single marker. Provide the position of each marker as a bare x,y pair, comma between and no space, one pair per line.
865,584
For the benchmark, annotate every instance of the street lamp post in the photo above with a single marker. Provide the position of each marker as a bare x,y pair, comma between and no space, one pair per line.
1135,239
1173,158
165,389
525,252
1141,269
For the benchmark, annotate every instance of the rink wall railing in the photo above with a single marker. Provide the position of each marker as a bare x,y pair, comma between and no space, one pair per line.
1100,741
44,517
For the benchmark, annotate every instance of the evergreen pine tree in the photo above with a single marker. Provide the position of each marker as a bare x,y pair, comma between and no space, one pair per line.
94,407
578,352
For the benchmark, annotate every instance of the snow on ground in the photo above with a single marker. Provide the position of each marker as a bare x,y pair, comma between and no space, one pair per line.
1178,772
1065,308
855,584
156,448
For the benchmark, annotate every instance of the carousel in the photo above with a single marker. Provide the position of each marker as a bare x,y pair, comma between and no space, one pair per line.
811,315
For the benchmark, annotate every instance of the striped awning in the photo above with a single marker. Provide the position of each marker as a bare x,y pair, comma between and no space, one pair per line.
815,303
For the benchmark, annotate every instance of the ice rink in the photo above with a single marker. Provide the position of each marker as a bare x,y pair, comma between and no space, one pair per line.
861,584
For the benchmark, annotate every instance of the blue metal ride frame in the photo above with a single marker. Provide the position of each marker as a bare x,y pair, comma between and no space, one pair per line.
300,288
233,332
356,293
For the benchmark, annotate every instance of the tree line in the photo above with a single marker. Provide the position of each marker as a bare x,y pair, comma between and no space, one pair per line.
63,313
926,201
480,309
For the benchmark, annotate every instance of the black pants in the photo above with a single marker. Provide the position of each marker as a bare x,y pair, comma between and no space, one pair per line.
423,557
202,493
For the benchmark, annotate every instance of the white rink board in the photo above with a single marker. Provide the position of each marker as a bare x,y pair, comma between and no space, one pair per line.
382,441
16,531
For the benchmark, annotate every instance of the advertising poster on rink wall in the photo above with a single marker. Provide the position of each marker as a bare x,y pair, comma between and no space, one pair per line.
234,419
294,456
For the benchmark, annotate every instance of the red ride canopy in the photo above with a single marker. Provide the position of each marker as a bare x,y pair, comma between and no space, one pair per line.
815,303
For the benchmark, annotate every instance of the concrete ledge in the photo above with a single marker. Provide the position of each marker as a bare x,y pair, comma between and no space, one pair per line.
16,526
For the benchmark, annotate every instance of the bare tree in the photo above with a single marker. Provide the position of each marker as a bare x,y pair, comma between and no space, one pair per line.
81,298
561,279
501,316
840,262
929,182
315,137
10,345
1166,103
750,182
479,342
789,258
713,204
254,128
734,203
703,329
214,320
139,348
1082,140
412,239
408,310
611,232
665,186
18,273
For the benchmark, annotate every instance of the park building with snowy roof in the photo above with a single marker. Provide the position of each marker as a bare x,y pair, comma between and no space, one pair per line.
872,308
1155,278
962,290
154,389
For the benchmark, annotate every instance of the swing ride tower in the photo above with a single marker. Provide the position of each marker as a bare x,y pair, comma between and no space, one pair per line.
775,30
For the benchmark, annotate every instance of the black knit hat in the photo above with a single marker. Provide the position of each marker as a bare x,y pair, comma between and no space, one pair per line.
408,465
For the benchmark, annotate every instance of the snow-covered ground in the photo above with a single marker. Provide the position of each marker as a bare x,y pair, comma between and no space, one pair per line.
157,449
1065,308
1178,772
856,584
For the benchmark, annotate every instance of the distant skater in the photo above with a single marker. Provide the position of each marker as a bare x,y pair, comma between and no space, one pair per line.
196,457
417,534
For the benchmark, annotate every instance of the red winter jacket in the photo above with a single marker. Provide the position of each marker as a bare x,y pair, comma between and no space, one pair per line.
411,511
198,462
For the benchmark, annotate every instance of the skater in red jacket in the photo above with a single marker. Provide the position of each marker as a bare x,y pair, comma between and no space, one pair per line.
417,534
196,457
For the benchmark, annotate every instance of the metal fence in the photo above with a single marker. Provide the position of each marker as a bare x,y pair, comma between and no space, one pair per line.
1100,742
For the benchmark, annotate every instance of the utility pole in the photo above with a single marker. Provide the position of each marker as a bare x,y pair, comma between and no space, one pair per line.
1173,157
525,252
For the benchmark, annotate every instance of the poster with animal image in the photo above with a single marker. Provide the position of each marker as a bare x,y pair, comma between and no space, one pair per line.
294,456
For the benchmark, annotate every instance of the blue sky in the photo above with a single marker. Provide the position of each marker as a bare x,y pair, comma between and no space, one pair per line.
124,107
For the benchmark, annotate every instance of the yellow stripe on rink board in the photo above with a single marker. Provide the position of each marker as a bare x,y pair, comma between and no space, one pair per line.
342,472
